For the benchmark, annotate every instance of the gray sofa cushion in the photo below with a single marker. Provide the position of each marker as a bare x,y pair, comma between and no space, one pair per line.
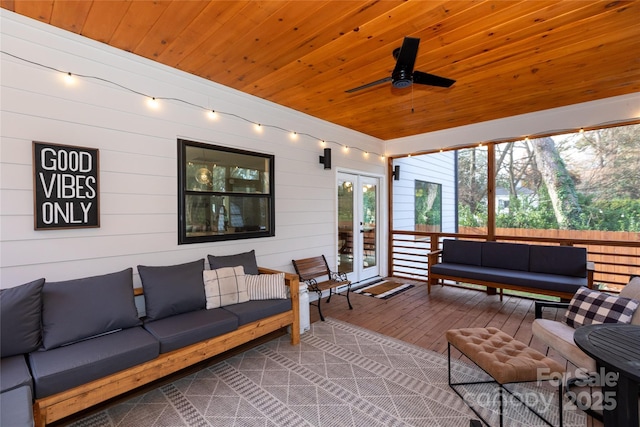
20,313
512,256
187,328
462,252
565,284
172,289
251,311
66,367
16,409
78,309
14,373
245,259
562,260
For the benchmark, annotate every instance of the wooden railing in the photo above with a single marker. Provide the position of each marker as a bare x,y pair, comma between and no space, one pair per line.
616,255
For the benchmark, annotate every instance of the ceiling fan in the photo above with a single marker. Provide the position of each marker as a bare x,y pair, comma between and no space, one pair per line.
403,74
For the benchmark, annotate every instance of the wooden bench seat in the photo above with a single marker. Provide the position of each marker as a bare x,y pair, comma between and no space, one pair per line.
315,272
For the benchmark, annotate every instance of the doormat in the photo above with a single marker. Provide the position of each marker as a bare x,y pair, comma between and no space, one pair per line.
384,290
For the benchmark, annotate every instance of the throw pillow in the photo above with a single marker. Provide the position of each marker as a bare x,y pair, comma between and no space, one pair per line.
172,289
593,307
82,308
245,259
266,286
225,286
20,311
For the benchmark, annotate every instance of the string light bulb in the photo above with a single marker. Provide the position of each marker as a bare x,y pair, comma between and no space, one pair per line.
69,79
258,127
293,135
212,114
153,103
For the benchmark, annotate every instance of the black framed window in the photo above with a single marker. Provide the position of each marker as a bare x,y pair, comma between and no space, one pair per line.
224,193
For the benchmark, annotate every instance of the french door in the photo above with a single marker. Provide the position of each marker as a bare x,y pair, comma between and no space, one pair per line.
358,234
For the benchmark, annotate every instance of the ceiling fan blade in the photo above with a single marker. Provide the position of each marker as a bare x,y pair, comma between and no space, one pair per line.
407,56
430,79
368,85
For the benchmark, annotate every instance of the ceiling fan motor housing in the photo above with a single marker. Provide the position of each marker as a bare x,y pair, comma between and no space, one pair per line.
401,79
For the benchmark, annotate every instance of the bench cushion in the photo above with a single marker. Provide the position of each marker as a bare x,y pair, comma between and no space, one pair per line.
512,256
172,289
188,328
16,409
69,366
77,309
561,260
506,359
462,252
20,314
251,311
565,284
14,373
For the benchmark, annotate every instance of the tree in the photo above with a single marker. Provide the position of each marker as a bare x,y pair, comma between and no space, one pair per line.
560,185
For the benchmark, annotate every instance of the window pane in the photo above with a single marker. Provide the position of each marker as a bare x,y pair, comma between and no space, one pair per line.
578,181
221,215
472,190
428,206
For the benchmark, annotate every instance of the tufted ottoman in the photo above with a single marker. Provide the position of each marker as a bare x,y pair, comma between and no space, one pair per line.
506,360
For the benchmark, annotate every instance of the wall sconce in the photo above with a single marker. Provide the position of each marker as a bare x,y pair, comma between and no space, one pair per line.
396,173
326,159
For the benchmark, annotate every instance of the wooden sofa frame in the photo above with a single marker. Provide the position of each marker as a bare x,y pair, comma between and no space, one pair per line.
434,278
55,407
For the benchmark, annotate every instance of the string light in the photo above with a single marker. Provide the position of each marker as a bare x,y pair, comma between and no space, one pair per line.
293,135
154,102
68,79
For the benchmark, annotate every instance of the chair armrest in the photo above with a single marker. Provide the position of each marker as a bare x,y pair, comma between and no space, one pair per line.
539,305
433,256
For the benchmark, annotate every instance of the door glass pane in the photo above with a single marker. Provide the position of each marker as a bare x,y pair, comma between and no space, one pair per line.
369,237
345,226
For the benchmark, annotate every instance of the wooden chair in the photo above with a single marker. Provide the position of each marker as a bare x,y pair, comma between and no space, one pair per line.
315,272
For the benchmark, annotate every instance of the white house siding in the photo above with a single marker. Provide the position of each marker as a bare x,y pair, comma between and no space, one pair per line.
438,168
138,163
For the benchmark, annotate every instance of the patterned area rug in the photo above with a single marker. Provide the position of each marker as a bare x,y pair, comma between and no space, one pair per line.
340,375
384,290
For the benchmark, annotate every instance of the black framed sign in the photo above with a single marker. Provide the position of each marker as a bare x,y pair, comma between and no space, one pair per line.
65,186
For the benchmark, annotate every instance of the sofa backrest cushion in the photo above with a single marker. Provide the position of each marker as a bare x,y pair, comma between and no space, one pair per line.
20,312
462,252
560,260
632,291
245,259
172,289
510,256
74,310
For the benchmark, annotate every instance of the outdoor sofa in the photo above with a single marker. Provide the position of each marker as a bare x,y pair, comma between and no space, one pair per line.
550,270
69,345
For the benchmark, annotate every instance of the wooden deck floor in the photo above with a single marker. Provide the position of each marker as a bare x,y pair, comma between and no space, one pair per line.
421,319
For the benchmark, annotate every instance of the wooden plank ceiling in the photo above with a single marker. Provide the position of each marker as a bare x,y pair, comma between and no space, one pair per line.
507,57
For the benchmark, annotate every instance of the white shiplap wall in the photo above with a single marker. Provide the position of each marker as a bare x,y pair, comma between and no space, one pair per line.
138,166
438,168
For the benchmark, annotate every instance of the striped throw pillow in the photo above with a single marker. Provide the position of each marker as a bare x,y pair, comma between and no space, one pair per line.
266,286
592,307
